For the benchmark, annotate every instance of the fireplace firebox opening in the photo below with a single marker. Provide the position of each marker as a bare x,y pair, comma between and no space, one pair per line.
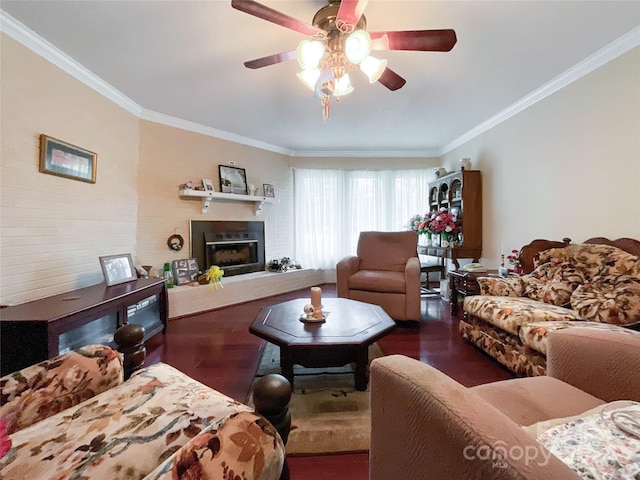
236,247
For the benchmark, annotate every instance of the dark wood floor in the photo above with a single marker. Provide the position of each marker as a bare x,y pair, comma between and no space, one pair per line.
217,349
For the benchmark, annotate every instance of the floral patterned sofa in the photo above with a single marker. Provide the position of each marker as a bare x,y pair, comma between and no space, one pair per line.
73,417
594,284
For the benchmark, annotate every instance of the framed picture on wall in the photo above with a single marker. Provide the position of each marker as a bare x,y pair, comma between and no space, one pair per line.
268,190
118,269
65,160
232,180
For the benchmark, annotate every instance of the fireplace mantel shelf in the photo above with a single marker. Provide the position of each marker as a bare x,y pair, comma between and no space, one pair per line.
208,196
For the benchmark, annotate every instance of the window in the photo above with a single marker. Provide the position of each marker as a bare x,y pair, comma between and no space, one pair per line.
332,207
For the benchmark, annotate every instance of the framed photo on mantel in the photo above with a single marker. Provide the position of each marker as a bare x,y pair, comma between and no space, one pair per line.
268,190
207,185
232,180
185,271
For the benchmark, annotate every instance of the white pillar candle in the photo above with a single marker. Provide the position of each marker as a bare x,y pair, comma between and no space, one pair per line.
316,297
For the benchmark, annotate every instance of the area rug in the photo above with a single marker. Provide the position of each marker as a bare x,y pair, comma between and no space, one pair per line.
328,414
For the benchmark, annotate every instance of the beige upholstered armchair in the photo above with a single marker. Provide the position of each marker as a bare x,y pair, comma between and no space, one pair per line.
385,272
425,425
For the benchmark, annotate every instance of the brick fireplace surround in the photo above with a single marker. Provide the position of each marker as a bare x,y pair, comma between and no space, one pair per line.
237,288
187,300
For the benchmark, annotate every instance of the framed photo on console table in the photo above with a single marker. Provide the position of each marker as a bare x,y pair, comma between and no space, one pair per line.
118,269
232,180
66,160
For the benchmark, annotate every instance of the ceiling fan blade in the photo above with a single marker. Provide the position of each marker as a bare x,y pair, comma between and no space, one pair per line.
351,10
391,79
271,59
270,15
423,40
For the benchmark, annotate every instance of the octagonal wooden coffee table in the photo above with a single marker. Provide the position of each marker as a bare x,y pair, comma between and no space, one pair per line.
344,337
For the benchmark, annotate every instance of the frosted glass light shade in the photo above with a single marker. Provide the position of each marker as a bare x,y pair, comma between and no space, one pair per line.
342,86
309,77
309,53
357,46
373,68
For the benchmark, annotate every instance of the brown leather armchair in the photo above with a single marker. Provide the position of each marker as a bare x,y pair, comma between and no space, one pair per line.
385,272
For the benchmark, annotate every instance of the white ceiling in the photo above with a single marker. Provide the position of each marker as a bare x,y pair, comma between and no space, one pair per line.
184,59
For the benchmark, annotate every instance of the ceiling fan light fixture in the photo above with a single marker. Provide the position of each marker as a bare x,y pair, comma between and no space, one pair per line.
342,86
357,46
310,78
309,54
373,68
339,42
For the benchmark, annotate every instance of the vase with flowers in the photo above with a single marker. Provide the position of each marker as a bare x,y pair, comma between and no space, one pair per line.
213,275
444,223
420,224
514,261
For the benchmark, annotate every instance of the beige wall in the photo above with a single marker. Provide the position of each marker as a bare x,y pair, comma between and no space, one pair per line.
54,229
569,166
170,156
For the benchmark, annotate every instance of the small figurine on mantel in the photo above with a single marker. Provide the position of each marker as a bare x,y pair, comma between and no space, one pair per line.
283,265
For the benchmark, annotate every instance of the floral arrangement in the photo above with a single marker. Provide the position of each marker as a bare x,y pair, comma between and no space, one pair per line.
421,224
443,221
513,258
213,275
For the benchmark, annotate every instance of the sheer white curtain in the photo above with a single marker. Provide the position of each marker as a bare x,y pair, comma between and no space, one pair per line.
332,207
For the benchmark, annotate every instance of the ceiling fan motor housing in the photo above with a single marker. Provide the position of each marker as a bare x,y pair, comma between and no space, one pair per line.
325,18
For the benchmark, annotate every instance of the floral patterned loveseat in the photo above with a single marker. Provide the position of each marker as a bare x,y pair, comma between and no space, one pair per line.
73,417
591,284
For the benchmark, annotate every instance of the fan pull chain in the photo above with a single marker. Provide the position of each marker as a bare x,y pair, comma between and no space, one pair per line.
326,105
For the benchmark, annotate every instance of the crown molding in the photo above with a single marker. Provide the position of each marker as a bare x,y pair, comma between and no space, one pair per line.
367,153
22,34
38,45
603,56
175,122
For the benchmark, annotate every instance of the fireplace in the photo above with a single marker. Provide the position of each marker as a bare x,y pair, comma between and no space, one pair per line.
236,247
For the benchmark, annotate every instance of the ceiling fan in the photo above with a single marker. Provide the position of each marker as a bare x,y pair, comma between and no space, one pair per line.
339,44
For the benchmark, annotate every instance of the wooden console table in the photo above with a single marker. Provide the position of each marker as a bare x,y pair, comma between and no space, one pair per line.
452,254
35,331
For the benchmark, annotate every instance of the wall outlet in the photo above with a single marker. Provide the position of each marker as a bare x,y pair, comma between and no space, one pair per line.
231,162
